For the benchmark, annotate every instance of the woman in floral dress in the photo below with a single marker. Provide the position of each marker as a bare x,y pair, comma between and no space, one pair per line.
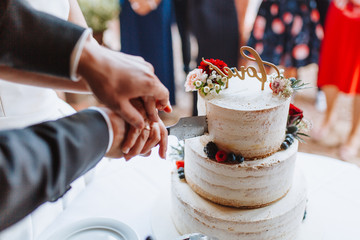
287,33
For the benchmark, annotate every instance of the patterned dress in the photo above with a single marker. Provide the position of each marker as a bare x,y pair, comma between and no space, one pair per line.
287,32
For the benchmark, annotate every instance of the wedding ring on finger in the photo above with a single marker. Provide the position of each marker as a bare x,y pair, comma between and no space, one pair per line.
147,127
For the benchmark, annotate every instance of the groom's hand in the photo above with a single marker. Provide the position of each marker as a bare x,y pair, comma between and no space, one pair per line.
115,78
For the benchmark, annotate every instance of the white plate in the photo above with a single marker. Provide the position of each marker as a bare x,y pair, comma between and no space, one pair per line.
94,229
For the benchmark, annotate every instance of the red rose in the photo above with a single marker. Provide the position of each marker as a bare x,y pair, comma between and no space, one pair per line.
180,164
220,64
294,114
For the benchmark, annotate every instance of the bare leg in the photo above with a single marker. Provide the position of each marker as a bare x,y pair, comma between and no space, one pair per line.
241,9
331,93
351,146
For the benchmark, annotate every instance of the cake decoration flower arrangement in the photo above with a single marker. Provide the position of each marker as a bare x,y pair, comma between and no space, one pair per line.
205,79
176,154
213,75
285,87
297,127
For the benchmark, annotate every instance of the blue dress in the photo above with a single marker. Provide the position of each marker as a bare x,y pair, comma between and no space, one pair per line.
149,36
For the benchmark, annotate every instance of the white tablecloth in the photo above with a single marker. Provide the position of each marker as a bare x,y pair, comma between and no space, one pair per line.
128,192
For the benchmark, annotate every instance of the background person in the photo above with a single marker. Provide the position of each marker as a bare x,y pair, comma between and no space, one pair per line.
339,69
287,33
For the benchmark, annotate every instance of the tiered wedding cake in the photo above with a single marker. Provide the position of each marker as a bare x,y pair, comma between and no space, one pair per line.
241,181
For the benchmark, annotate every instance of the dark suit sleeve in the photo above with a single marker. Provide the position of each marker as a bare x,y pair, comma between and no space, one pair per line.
35,41
38,163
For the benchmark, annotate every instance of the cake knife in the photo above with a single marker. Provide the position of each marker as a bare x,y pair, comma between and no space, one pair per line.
188,127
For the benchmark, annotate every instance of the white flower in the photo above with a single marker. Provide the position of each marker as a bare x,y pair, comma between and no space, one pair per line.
209,81
217,87
206,89
287,92
213,72
198,83
305,125
281,72
203,77
211,85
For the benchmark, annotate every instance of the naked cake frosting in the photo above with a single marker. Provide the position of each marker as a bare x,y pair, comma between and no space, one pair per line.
239,177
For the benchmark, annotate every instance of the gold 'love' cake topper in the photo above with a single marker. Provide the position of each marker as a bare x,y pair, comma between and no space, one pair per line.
250,71
212,75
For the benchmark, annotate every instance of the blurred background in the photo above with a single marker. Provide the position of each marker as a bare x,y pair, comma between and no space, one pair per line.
173,35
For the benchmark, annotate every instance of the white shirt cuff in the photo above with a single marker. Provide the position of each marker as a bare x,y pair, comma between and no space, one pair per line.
107,119
76,53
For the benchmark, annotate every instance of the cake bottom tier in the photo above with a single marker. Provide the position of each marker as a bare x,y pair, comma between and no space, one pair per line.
280,220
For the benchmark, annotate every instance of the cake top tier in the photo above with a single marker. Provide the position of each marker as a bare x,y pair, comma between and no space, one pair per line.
245,95
213,75
247,110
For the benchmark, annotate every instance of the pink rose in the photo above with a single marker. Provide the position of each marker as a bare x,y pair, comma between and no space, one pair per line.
192,77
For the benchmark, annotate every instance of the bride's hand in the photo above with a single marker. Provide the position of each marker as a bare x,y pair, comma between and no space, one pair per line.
158,136
140,141
150,137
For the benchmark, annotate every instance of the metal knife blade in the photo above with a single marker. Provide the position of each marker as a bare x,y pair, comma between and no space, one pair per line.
188,127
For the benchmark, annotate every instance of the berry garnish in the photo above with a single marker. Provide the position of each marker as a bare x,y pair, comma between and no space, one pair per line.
289,141
289,135
182,175
231,158
181,169
179,164
284,146
240,159
221,156
290,138
292,129
292,80
211,149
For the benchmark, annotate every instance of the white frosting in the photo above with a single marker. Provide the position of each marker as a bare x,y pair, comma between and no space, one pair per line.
245,95
280,220
250,184
244,119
